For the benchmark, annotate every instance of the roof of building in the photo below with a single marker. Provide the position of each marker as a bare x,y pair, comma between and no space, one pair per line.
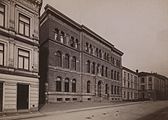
129,70
50,9
152,74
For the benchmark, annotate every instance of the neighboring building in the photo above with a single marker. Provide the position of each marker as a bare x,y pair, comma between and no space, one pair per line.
19,41
129,85
153,86
76,64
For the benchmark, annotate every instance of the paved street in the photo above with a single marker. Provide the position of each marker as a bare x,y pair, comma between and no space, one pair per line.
117,112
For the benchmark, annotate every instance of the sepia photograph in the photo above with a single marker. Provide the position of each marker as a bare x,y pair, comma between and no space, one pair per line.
83,59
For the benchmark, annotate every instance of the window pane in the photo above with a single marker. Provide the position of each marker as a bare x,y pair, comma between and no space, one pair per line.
20,62
21,28
23,53
26,63
24,19
27,30
1,58
1,19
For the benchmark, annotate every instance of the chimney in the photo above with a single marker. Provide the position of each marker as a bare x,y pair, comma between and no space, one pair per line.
136,70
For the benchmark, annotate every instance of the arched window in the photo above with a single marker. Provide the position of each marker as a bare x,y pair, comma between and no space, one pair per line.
73,63
100,54
73,85
112,89
58,59
56,34
72,42
98,69
88,66
91,49
93,68
62,36
66,61
66,85
77,44
58,84
88,86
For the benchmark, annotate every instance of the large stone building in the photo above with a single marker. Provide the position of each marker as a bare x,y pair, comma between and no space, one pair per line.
130,85
76,64
153,86
19,41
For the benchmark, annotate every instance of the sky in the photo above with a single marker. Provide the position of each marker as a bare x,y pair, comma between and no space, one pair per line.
139,28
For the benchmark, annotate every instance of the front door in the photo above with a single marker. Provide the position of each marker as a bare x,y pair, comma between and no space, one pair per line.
22,96
1,96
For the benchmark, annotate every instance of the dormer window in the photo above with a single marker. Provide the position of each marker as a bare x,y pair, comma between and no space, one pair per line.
24,25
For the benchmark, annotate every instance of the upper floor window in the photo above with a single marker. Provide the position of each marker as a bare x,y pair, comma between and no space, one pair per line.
115,75
96,52
142,80
98,68
77,44
102,71
112,89
118,75
73,85
58,84
56,34
93,68
87,47
72,42
106,88
111,74
62,36
100,54
58,59
23,59
66,61
88,66
106,72
2,15
91,49
150,79
1,54
24,25
73,63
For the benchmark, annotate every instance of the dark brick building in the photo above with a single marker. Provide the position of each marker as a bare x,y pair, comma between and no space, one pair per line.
76,64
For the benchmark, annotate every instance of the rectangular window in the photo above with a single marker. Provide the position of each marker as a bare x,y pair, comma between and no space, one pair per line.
1,54
24,25
2,15
23,59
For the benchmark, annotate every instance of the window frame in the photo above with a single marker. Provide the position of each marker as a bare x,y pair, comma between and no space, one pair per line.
3,52
60,84
66,85
19,49
24,24
88,86
3,13
74,85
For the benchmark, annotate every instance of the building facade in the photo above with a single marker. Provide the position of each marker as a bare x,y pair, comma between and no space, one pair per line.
76,64
153,86
19,63
130,85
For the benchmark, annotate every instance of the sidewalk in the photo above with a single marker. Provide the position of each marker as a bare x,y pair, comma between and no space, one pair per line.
61,108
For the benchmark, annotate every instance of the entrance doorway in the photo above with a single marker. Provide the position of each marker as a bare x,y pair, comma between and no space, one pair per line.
99,88
22,96
1,96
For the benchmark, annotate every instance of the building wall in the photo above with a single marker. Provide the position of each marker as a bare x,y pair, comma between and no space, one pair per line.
55,25
11,73
130,85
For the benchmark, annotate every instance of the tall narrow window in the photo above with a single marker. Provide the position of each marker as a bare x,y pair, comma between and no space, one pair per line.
88,86
112,74
77,44
100,54
98,69
112,89
106,89
23,59
106,72
73,63
62,36
97,52
73,85
58,59
87,47
88,66
1,54
56,34
66,61
24,25
66,85
91,49
2,15
102,71
93,67
118,76
58,84
72,42
115,89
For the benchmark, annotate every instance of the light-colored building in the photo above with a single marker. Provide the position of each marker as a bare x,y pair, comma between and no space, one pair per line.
152,86
76,64
130,85
19,62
